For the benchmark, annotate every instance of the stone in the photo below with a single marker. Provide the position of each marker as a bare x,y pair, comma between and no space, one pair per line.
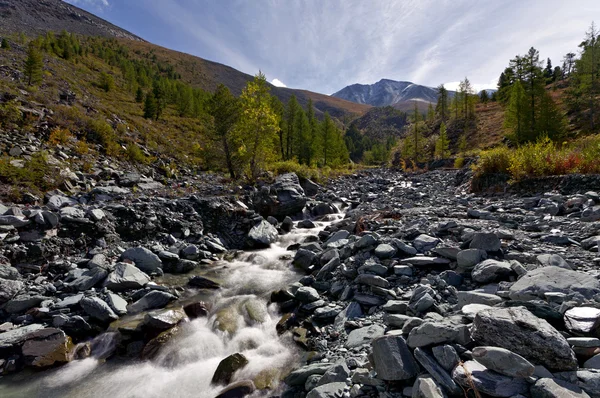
203,283
395,307
437,372
446,356
421,299
488,382
363,335
55,202
88,279
582,319
283,198
372,280
591,243
306,224
117,303
98,309
227,367
591,214
14,221
237,390
469,258
427,387
392,359
9,272
152,300
552,260
424,261
365,242
336,374
196,309
304,258
48,346
487,241
330,390
470,310
262,235
470,297
518,330
490,271
556,388
593,362
299,376
144,259
404,248
306,294
18,335
153,347
430,333
584,341
384,251
424,243
164,319
22,303
503,361
126,277
396,321
535,284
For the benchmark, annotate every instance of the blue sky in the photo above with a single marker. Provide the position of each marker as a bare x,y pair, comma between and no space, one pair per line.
325,45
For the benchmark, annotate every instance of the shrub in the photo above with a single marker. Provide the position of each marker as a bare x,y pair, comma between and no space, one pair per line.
10,115
135,154
36,173
459,162
82,148
493,161
102,133
107,82
59,136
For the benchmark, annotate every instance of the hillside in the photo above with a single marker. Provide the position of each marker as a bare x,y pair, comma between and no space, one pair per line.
35,17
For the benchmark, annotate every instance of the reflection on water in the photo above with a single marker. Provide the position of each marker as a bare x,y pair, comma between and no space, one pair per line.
240,322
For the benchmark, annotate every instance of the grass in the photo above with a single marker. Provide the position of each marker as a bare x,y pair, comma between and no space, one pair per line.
319,175
542,158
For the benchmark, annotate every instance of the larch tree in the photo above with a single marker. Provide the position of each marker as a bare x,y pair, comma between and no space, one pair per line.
442,144
225,111
33,65
442,105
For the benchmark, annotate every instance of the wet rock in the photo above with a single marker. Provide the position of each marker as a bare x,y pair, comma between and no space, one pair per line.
304,258
163,319
284,198
203,283
196,309
45,347
262,235
227,367
152,300
535,284
117,303
556,388
238,390
518,330
583,319
503,361
392,359
126,277
144,259
153,347
299,376
488,382
98,309
306,294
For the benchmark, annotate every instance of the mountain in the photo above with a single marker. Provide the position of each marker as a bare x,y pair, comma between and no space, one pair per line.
401,95
35,17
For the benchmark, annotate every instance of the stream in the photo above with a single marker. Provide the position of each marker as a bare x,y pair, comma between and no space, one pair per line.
240,321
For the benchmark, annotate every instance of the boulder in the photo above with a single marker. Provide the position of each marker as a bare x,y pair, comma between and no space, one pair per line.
437,372
487,241
430,333
284,198
152,300
364,335
144,259
262,235
330,390
485,381
518,330
336,374
163,319
491,270
126,277
556,388
227,367
392,359
424,243
238,390
503,361
467,259
583,319
98,309
535,284
306,294
9,289
299,376
304,258
48,346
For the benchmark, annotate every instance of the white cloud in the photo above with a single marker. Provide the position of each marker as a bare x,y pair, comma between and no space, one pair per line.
477,87
277,83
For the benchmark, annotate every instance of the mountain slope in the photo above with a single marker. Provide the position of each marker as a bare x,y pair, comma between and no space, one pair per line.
387,92
34,17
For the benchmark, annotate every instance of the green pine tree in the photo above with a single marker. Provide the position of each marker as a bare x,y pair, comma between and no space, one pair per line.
442,144
5,44
225,111
33,65
139,95
150,107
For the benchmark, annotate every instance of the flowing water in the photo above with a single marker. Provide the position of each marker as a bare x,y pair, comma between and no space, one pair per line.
240,322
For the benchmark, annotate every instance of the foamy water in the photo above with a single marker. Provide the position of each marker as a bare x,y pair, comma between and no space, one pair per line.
185,366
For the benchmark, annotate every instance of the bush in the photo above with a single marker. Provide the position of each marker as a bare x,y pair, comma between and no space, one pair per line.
135,154
459,162
36,173
10,115
60,136
493,161
107,82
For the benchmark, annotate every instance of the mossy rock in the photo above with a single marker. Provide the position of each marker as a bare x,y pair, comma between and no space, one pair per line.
227,320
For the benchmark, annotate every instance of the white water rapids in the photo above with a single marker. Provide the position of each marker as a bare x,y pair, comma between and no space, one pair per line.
185,365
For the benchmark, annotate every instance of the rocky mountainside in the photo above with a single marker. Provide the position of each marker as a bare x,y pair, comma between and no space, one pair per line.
34,17
386,92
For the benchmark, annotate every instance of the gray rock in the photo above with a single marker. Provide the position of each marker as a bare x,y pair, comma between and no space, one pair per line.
403,247
9,289
591,214
9,272
470,297
306,294
469,258
556,388
552,260
535,284
336,374
427,387
591,243
593,362
46,347
396,321
117,303
71,213
164,319
372,280
369,299
583,319
430,333
22,303
331,390
424,243
422,299
339,235
392,359
446,356
487,241
299,376
488,382
518,330
98,309
18,335
366,242
364,335
424,261
304,258
384,251
491,270
262,235
14,221
437,372
89,279
144,259
125,277
395,307
152,300
503,361
55,202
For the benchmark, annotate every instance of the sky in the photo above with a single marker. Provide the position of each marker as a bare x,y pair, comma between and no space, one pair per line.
325,45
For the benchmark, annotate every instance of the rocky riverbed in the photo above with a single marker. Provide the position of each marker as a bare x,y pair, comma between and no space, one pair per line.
422,289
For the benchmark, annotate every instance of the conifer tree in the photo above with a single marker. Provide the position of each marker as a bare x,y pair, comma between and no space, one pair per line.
33,65
139,95
442,105
150,106
225,111
442,144
5,44
515,118
430,113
